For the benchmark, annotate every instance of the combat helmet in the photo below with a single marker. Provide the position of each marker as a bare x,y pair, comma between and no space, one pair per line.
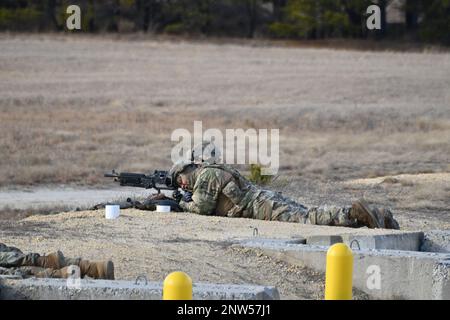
178,168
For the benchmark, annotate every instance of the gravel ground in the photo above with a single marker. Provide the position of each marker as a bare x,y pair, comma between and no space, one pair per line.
155,244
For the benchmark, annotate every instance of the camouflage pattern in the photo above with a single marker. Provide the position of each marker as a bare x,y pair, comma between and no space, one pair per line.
14,262
13,257
221,190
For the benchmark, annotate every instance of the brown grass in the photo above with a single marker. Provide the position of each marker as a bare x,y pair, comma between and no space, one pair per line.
74,107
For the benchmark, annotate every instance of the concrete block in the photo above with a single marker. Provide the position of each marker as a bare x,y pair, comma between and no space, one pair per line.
436,241
297,240
323,240
401,274
57,289
410,241
441,288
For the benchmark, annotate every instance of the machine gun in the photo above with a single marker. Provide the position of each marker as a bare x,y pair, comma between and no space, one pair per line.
158,180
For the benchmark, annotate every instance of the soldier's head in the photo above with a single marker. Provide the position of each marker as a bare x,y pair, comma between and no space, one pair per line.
181,173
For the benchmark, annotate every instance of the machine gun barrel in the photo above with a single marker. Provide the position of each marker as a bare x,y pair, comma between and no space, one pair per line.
111,175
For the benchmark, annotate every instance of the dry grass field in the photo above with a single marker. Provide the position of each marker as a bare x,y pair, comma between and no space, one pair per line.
72,107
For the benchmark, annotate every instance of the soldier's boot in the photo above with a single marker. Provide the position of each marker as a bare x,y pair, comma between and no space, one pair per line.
97,269
331,216
54,260
388,218
373,217
365,215
62,273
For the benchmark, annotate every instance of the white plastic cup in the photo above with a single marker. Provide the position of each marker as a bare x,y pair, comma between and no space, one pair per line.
160,208
112,211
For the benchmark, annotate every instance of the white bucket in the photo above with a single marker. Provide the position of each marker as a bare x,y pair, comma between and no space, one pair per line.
162,208
112,211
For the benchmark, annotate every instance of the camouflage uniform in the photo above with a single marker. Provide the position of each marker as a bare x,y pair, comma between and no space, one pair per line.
14,262
11,257
222,190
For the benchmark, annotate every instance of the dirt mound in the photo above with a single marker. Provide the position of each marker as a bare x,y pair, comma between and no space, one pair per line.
156,244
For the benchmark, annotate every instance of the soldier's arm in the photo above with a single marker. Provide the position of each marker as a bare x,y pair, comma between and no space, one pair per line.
204,195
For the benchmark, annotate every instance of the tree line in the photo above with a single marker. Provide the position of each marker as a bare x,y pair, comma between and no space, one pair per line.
422,20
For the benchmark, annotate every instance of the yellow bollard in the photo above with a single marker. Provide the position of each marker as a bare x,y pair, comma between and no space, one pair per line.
177,286
339,273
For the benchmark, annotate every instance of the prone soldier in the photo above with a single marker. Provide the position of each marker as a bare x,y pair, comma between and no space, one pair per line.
54,265
218,189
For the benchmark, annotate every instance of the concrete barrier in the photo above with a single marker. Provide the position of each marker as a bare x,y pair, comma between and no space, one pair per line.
402,274
436,241
410,241
57,289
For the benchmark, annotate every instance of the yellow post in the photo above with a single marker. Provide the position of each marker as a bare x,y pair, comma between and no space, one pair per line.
339,273
177,286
